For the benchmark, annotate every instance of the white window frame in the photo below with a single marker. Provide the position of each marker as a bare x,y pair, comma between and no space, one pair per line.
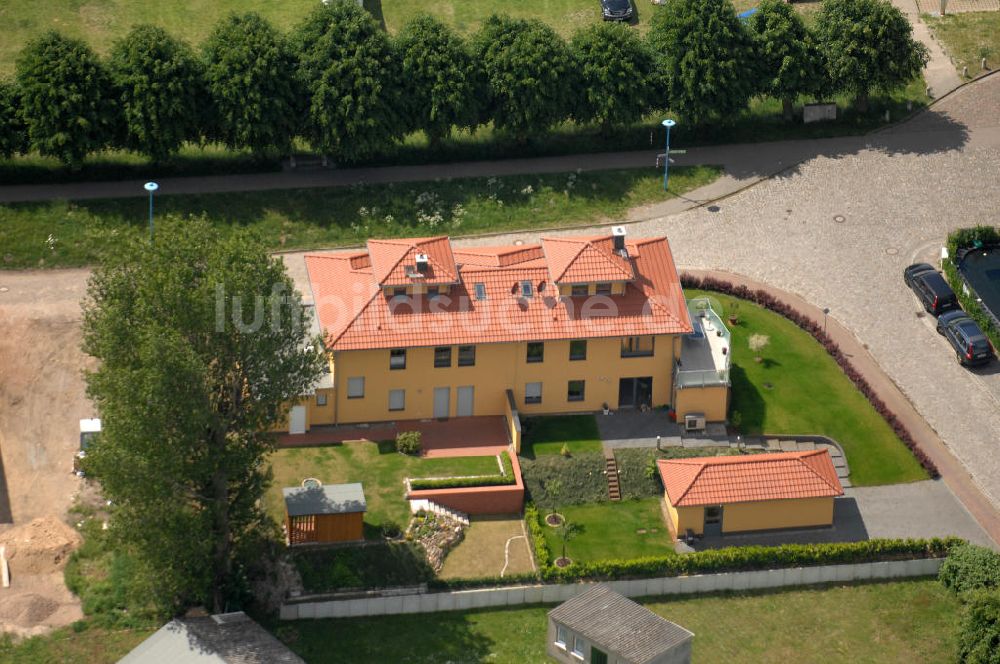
537,398
579,646
402,405
393,357
561,636
321,398
352,385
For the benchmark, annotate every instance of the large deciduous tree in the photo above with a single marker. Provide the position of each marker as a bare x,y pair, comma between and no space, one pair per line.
13,138
66,98
201,342
790,63
868,47
353,78
706,58
443,84
616,74
160,85
530,72
250,71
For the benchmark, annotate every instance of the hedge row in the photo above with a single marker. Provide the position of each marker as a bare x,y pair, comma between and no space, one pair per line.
964,238
772,303
538,544
462,482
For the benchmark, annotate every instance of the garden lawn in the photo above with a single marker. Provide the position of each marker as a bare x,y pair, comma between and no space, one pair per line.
968,38
482,551
92,644
906,621
313,218
611,530
799,389
547,435
377,466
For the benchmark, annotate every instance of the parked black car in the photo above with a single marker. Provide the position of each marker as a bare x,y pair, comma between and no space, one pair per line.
931,288
971,346
616,10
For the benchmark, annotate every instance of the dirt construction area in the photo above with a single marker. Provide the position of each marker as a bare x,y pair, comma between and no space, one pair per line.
41,402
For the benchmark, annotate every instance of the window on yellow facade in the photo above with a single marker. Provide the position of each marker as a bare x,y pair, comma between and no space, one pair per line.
637,346
442,357
397,399
574,390
536,351
320,398
578,349
433,291
466,356
356,387
604,288
579,290
397,358
532,393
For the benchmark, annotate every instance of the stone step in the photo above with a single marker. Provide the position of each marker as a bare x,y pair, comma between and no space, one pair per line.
807,446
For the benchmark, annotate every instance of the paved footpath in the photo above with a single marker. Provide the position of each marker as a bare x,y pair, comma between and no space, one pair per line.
939,73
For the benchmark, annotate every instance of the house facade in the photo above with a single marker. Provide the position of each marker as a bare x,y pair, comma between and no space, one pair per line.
417,328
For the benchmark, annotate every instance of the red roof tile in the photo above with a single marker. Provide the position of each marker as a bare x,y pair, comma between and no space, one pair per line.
394,261
576,260
356,314
741,479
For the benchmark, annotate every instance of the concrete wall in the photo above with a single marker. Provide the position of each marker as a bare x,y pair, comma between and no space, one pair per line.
463,600
712,401
507,499
513,421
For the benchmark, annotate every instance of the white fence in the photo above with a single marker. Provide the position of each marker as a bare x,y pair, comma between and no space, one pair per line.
462,600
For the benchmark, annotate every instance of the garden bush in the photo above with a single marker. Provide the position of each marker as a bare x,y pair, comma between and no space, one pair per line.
979,634
971,567
362,567
539,546
408,442
554,480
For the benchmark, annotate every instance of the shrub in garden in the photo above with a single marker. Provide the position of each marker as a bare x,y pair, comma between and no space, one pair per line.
13,137
552,480
409,442
979,634
971,567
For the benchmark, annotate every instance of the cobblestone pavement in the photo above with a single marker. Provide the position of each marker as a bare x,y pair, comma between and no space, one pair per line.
958,6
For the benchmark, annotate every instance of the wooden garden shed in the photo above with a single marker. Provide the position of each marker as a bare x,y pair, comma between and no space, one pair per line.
326,513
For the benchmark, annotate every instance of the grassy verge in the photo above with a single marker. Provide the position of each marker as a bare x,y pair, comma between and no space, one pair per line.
376,566
547,435
293,219
83,642
613,531
968,38
377,466
907,621
799,389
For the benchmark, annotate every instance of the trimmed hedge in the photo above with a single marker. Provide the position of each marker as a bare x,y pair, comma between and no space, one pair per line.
961,239
970,567
539,546
772,303
553,480
462,482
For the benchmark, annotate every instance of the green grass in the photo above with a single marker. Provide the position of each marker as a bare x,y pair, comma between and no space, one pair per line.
310,218
380,565
609,531
84,643
907,621
376,465
968,38
547,435
799,389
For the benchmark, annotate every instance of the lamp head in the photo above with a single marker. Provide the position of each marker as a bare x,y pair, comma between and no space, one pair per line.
150,187
668,123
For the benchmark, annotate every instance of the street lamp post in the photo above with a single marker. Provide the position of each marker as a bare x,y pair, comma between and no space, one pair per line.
151,187
825,312
666,155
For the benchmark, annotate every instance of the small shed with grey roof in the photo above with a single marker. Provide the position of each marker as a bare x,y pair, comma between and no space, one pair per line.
324,513
228,638
599,626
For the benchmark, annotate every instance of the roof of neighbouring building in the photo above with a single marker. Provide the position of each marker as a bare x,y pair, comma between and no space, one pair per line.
749,478
356,313
614,622
326,499
229,638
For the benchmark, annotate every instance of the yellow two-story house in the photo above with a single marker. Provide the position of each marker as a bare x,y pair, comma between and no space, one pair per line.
417,328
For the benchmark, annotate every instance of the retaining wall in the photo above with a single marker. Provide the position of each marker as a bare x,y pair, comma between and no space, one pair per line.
462,600
505,499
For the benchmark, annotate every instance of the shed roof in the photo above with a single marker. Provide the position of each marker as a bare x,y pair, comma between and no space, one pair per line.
617,623
326,499
231,638
757,477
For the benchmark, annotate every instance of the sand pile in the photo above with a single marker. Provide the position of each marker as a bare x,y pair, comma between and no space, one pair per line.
39,547
26,610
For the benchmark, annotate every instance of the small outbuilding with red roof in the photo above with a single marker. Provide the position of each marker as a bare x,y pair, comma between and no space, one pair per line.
730,494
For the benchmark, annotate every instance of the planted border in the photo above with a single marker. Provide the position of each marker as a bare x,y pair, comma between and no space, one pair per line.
764,299
506,479
965,238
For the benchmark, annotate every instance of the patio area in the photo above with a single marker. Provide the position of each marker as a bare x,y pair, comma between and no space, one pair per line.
626,428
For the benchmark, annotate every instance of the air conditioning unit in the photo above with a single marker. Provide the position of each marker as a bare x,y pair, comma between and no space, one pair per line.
694,422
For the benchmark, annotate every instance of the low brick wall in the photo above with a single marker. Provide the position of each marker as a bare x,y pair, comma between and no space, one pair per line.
463,600
508,499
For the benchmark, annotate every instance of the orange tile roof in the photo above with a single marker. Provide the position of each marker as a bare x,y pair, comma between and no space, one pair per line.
741,479
575,260
394,261
356,314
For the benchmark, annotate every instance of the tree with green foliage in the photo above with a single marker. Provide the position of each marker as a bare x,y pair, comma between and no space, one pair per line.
201,343
250,73
790,63
616,74
160,85
13,137
353,79
706,58
66,98
979,634
868,47
970,567
530,72
443,84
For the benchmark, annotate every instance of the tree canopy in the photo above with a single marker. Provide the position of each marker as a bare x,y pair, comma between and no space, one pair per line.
201,343
616,74
66,98
250,73
979,634
868,46
706,58
444,87
13,138
160,85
